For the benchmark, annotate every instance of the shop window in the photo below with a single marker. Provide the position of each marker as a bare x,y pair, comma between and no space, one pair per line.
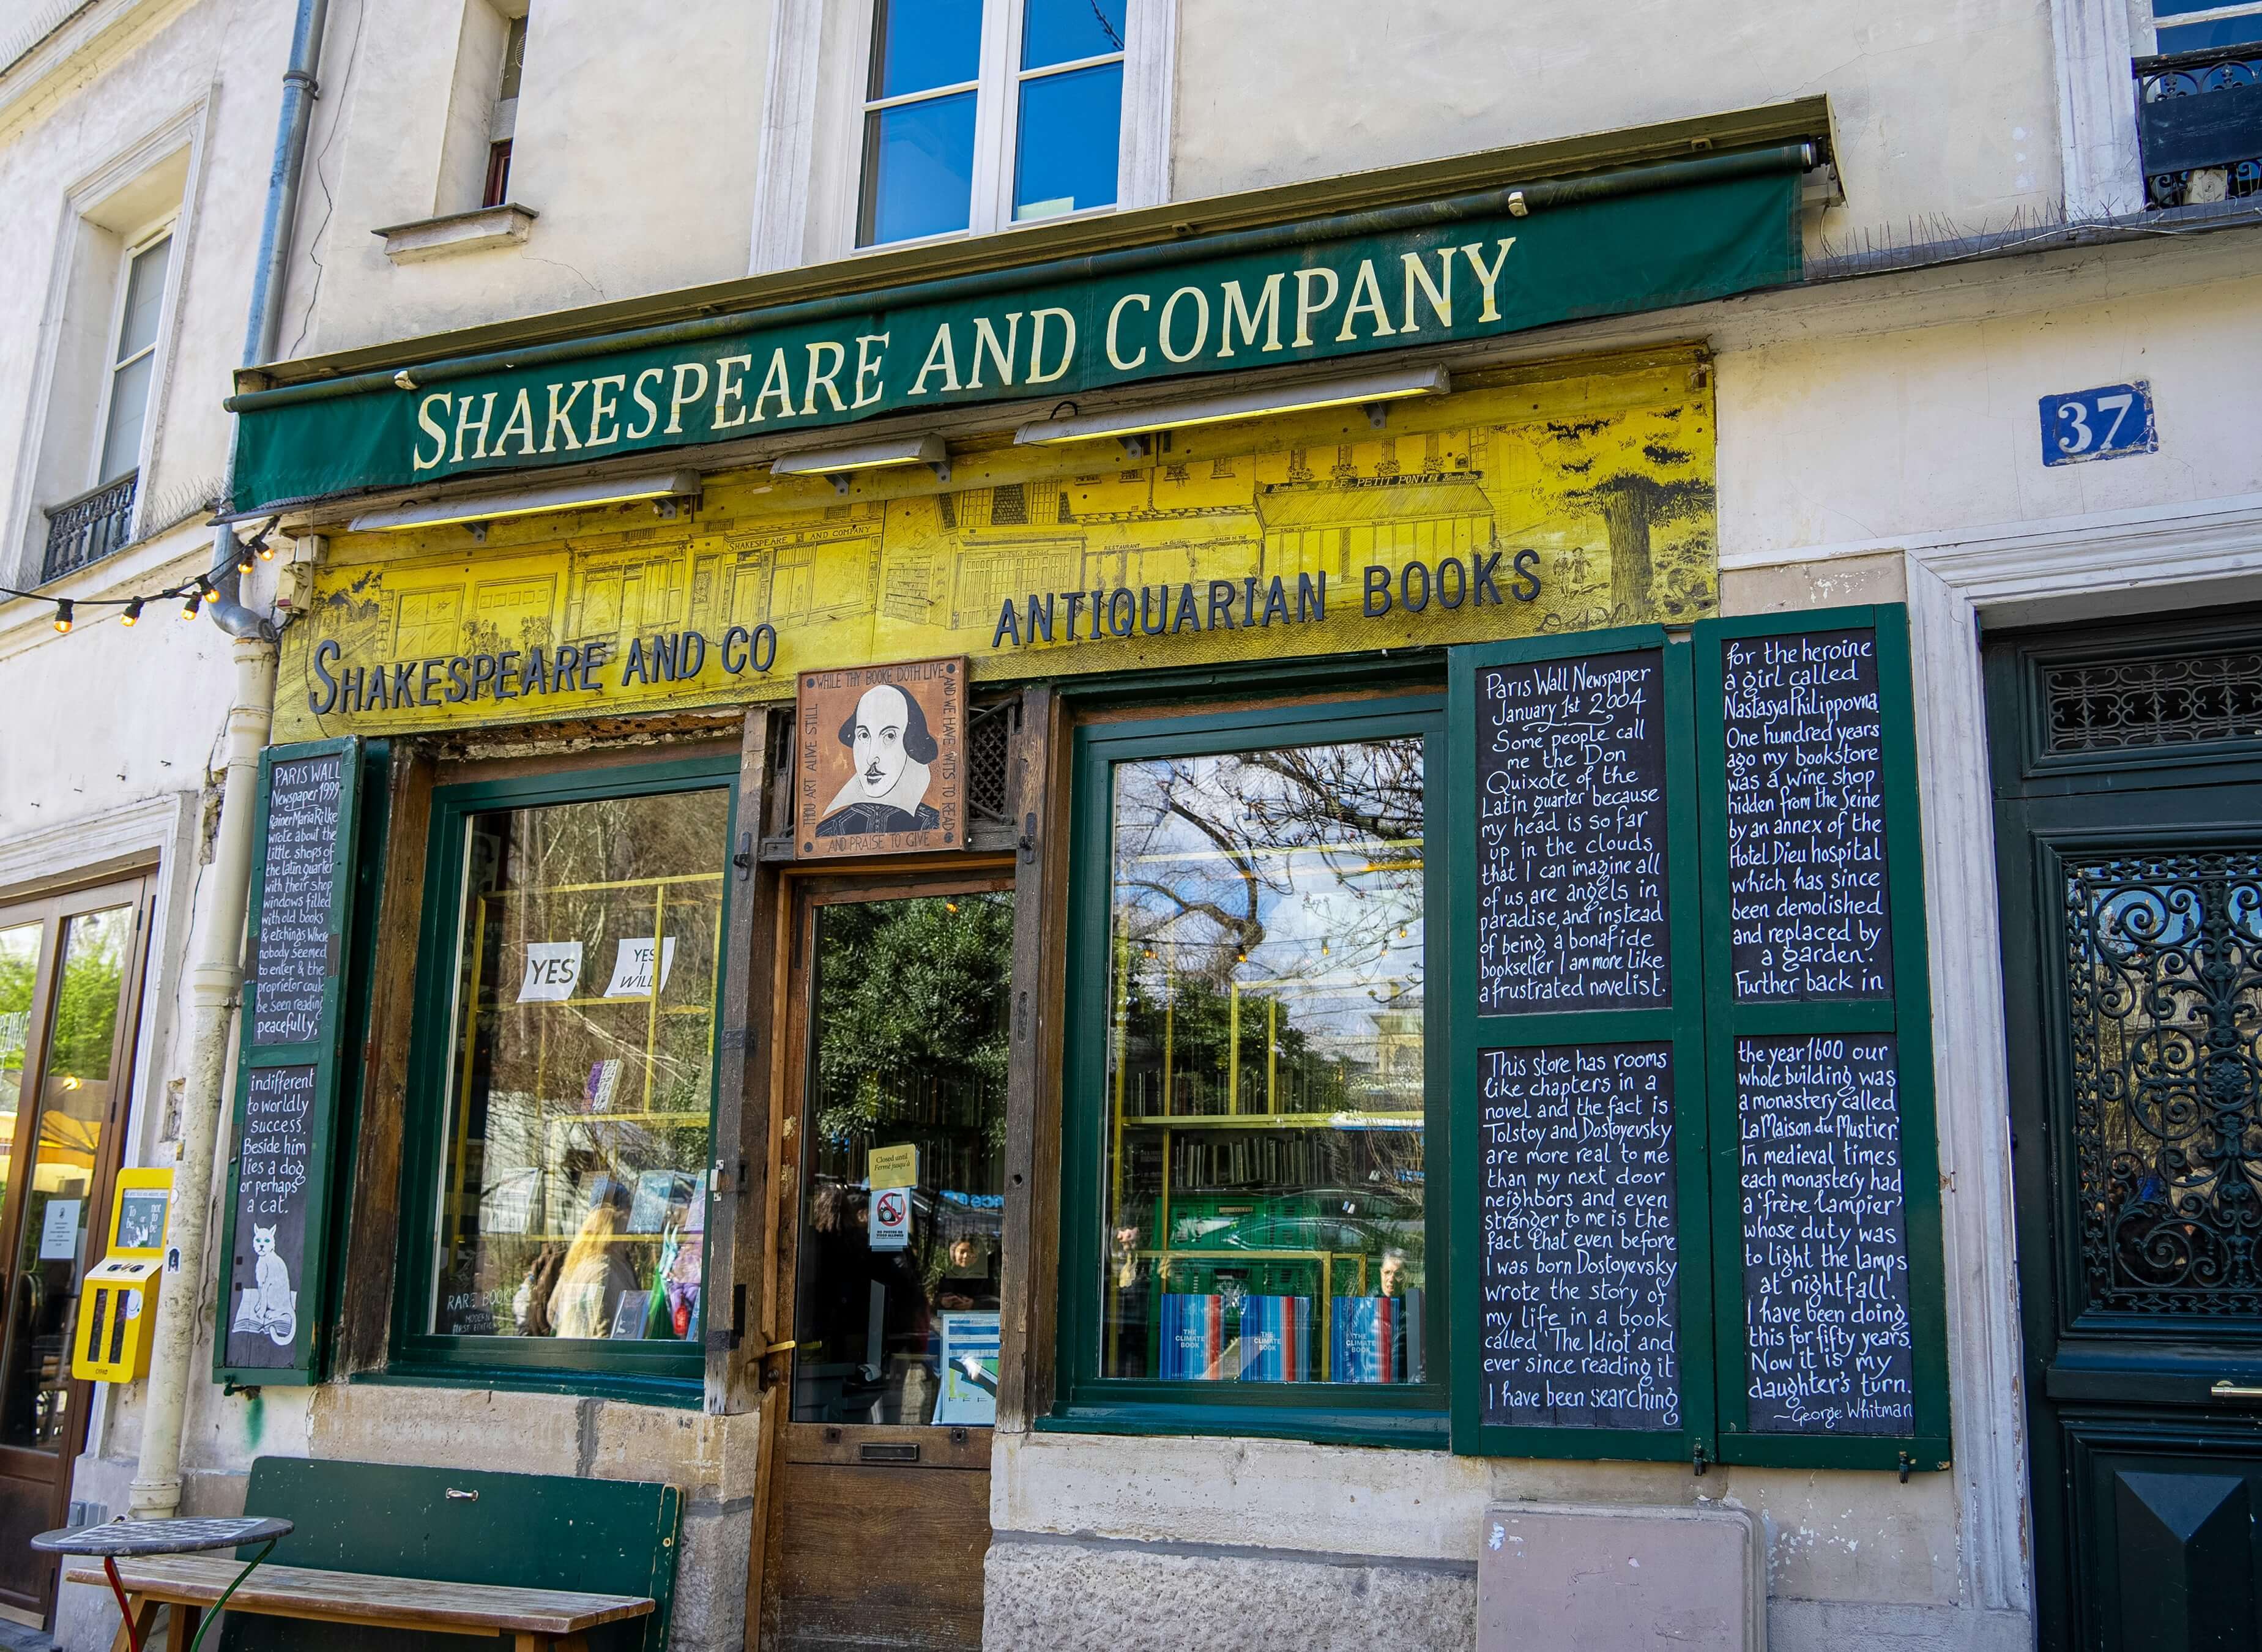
977,116
1251,1128
559,1176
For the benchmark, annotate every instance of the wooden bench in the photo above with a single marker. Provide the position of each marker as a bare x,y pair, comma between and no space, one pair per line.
538,1619
390,1558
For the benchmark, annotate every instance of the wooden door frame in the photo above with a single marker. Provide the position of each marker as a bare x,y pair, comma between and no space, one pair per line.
54,912
801,895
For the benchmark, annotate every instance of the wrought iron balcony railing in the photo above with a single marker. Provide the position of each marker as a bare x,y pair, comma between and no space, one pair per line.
90,527
2199,118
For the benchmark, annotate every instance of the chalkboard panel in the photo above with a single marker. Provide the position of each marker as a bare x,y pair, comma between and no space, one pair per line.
268,1225
1571,871
304,798
1581,1261
1806,818
1825,1237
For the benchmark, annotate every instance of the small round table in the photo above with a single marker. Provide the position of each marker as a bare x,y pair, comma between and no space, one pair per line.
133,1539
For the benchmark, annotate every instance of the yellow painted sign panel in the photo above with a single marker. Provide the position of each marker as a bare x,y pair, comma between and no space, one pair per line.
1533,501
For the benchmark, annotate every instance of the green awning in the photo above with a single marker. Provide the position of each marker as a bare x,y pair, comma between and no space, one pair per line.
1405,276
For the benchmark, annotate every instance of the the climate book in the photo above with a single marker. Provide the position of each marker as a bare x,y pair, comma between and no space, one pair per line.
1276,1338
1367,1339
1193,1338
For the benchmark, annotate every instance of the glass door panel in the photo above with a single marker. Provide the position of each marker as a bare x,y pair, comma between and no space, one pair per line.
58,1187
19,970
898,1268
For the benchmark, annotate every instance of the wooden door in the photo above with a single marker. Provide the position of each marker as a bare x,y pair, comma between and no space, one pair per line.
896,1028
70,973
2129,803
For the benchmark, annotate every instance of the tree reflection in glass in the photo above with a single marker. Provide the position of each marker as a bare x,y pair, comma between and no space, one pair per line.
1266,1071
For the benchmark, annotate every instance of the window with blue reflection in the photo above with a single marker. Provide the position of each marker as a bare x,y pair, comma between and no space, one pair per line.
2198,36
917,44
2194,36
918,169
1070,129
1069,31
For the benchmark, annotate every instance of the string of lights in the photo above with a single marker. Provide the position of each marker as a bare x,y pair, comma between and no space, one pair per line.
192,594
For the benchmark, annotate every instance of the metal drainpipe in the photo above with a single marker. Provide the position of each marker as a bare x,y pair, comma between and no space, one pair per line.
216,980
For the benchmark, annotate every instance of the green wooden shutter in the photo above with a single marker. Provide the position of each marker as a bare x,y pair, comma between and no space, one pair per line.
1483,1313
1857,1018
288,1063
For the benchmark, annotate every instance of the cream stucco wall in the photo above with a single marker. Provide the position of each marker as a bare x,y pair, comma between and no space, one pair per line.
638,127
1945,109
170,79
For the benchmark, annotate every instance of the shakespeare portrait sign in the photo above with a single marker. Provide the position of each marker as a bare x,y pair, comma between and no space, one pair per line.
881,766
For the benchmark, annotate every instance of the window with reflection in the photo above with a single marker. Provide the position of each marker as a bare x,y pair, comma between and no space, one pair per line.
68,1157
574,1163
977,115
1264,1189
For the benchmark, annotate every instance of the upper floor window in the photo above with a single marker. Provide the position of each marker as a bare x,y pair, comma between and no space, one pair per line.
981,113
2193,26
132,359
2198,121
502,127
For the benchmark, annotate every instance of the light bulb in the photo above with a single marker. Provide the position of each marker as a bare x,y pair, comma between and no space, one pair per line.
133,614
63,616
195,600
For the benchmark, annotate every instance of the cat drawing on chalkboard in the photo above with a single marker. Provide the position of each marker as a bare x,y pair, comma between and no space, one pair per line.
271,1307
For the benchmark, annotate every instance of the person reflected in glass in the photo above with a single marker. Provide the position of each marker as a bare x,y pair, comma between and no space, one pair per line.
972,1281
596,1271
1395,1279
887,792
1130,1277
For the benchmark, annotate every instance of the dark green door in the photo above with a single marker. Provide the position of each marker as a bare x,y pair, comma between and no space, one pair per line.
2127,769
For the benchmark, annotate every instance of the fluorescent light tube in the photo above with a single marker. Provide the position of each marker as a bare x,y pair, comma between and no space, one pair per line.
1360,391
483,508
837,462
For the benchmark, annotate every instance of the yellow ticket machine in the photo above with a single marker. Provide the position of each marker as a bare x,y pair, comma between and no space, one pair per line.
117,1308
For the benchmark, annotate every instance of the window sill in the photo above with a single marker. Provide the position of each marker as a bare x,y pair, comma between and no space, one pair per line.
1404,1430
428,238
679,1394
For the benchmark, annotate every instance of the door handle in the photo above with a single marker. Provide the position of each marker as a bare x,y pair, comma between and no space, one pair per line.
2226,1390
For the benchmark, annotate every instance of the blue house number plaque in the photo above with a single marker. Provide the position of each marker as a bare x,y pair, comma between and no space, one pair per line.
2106,423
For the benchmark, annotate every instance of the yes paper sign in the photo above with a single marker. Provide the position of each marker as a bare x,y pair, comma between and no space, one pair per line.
552,967
632,968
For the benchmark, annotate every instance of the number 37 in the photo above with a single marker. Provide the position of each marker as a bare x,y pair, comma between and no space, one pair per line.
2099,423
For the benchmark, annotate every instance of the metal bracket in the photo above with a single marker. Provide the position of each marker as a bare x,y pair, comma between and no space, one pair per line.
1377,414
744,859
1137,446
1907,1463
1027,841
478,532
839,480
1698,1459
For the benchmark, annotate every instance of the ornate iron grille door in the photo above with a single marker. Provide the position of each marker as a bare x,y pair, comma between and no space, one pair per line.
2128,836
2164,970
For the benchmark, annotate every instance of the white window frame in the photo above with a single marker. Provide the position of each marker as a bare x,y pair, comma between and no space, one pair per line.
142,242
2146,25
803,91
